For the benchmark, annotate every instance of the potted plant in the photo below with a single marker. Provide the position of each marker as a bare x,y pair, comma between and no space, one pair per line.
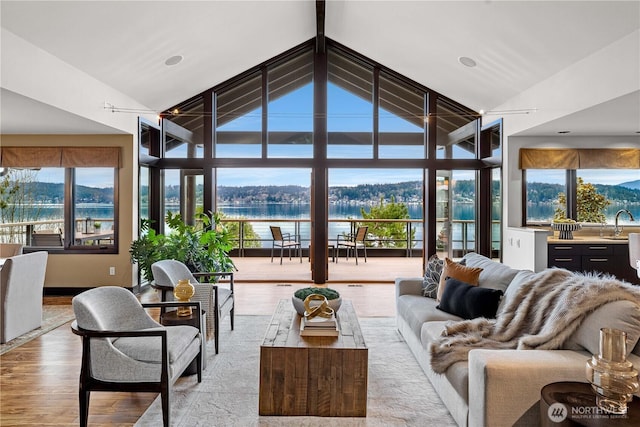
333,298
96,226
202,248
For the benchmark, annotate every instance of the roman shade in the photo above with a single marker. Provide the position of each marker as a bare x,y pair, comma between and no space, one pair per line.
67,157
579,158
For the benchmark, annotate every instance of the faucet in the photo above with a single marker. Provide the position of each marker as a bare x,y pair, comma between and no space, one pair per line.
617,230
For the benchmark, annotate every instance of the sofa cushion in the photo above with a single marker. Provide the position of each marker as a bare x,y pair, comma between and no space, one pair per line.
622,315
494,275
522,277
432,276
416,310
469,301
458,271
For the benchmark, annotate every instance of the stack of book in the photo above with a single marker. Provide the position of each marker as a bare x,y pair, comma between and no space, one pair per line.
319,326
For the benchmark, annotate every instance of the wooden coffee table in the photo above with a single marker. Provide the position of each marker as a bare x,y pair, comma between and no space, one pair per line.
320,376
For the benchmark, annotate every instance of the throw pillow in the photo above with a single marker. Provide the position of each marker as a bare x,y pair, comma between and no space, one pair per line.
458,271
432,276
469,302
623,315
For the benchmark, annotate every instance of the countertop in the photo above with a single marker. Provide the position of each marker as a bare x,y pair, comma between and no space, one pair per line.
590,240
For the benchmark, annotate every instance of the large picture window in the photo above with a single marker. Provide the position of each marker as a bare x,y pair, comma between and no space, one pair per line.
61,199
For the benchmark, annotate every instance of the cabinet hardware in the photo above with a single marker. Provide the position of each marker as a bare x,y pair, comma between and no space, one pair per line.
598,259
598,248
563,259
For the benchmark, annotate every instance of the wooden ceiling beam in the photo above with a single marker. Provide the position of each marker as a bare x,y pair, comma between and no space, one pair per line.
320,40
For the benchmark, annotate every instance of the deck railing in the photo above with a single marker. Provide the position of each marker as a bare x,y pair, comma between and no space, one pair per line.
462,235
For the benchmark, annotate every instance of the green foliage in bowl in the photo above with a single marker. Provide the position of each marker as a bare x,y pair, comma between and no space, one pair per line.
326,292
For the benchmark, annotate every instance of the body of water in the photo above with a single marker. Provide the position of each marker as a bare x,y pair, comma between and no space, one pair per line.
461,212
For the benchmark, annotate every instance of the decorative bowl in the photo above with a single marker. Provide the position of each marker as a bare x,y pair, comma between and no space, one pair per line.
566,229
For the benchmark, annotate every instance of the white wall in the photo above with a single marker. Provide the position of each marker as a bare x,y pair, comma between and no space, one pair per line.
34,73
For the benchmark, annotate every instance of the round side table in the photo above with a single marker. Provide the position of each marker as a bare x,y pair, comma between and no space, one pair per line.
171,318
574,404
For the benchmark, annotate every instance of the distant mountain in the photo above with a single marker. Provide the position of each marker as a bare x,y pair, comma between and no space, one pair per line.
631,184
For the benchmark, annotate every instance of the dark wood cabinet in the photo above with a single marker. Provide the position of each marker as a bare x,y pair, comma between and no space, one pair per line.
601,257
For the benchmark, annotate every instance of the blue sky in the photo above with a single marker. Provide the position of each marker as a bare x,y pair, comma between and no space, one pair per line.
293,112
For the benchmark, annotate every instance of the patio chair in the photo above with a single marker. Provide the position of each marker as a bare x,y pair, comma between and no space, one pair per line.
49,239
217,299
353,242
284,241
125,349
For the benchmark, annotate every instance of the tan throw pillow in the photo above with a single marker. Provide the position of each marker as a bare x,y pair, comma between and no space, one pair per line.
458,271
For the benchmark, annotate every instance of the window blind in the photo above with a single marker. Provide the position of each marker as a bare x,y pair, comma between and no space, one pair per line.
66,157
579,158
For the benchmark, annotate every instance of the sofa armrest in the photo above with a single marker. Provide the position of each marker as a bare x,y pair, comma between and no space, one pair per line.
408,286
505,385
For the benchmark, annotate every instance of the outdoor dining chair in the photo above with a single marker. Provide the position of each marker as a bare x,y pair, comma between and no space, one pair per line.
284,241
353,242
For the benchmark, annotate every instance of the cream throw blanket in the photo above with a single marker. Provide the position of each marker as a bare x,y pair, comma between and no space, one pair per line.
543,314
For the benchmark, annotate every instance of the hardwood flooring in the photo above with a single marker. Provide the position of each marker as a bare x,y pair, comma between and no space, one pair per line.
39,380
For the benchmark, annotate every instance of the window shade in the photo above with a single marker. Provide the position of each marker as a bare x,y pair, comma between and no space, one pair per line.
548,158
31,157
87,157
609,159
67,157
579,158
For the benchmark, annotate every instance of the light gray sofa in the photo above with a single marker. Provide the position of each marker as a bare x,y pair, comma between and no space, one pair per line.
502,387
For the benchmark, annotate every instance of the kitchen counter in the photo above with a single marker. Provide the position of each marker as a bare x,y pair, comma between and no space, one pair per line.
590,240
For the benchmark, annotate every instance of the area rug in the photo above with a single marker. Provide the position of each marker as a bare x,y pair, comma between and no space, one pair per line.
399,394
53,316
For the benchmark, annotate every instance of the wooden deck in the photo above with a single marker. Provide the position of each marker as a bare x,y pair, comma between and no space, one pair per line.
375,270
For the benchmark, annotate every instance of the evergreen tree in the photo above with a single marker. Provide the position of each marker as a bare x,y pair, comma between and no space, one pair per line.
388,234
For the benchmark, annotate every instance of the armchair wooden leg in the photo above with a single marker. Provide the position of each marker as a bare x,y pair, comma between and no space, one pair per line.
216,333
164,395
83,398
232,317
199,363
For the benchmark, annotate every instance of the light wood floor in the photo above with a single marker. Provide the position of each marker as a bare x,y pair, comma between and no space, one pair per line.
39,380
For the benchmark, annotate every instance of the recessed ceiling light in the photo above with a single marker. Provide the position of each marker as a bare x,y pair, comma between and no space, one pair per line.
466,61
562,132
174,60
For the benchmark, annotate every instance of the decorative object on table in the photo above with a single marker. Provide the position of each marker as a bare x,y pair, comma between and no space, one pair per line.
203,247
87,226
612,376
97,225
183,292
319,319
565,227
333,298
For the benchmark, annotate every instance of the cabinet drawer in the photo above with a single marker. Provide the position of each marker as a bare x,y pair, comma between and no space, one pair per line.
603,264
564,251
573,263
597,250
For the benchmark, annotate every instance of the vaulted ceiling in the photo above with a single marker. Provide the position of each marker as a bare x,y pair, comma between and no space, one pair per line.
515,44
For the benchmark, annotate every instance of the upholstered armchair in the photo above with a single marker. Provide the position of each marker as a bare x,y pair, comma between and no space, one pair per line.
125,349
217,299
21,294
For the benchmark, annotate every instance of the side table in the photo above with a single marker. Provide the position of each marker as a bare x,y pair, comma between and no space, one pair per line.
171,318
574,404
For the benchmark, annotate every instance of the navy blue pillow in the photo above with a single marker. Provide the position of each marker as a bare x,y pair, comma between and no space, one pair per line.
468,301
